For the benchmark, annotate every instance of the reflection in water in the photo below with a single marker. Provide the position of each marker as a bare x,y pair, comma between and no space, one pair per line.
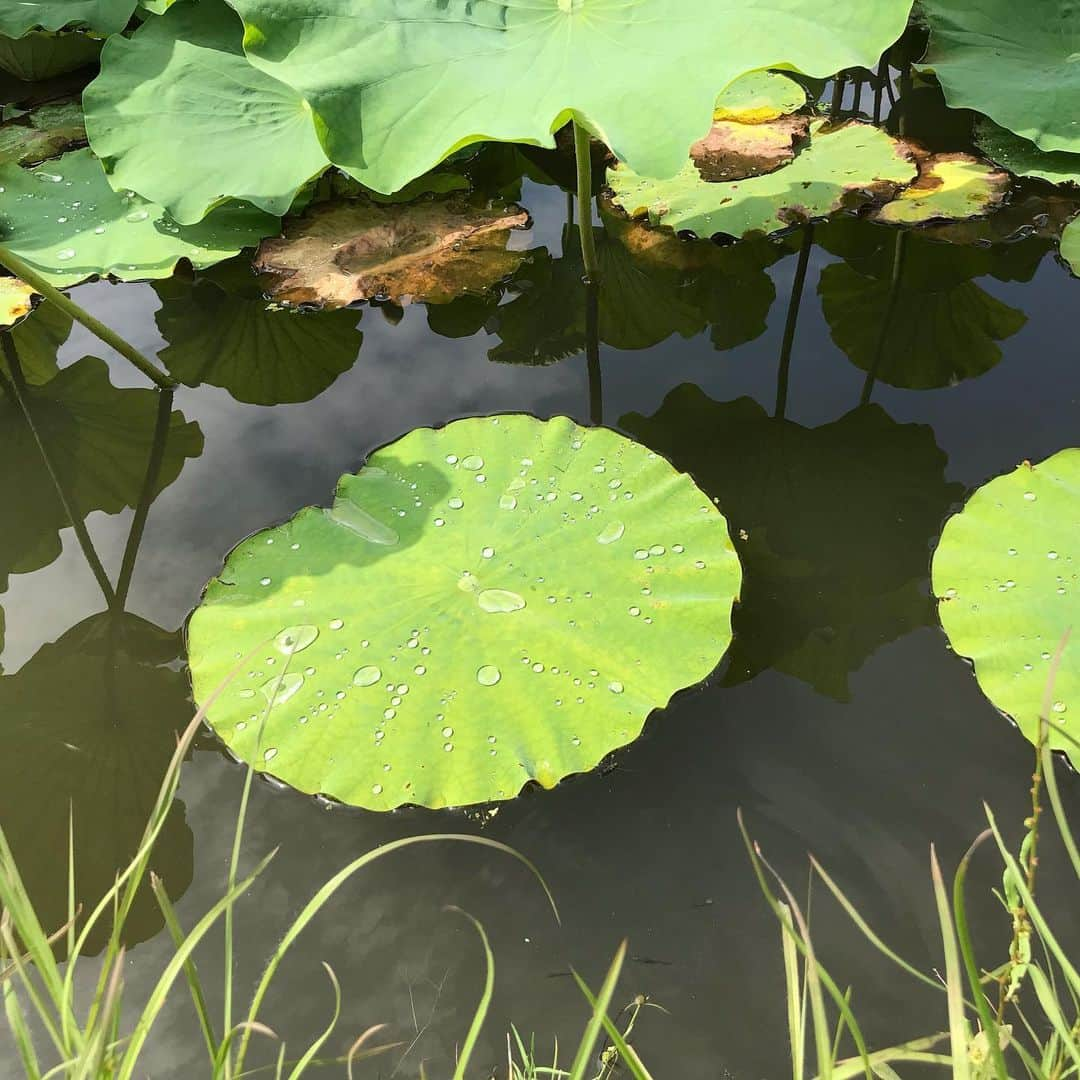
833,525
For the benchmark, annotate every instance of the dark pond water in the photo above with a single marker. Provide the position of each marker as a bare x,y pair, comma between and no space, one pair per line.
840,722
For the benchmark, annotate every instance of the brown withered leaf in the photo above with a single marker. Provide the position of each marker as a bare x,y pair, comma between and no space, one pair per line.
735,151
16,301
430,250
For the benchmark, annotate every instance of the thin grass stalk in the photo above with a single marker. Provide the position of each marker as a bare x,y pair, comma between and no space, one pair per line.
91,1066
16,1019
627,1054
600,1008
222,1055
793,985
958,1028
1052,1008
484,1005
317,1045
354,1050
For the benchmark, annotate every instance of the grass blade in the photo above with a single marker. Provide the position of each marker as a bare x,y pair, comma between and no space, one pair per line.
958,1027
793,984
1050,1006
317,1045
485,999
627,1054
600,1008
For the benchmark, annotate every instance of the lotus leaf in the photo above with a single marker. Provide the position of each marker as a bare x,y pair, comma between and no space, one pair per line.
832,526
38,340
501,601
65,220
101,16
758,97
432,249
950,187
1070,246
1014,62
99,440
397,85
91,721
42,55
734,151
1023,158
154,115
1006,577
838,166
42,133
16,301
221,331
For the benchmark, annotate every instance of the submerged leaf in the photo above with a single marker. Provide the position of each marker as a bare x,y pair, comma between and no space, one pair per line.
950,187
1014,62
155,116
101,16
42,133
67,222
832,526
734,151
1023,158
501,601
16,301
840,165
431,250
395,86
758,97
1006,576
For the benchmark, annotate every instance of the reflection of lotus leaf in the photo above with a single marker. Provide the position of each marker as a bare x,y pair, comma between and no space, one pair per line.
397,85
833,527
839,165
222,332
950,187
38,340
432,249
1006,574
42,133
154,114
99,440
65,220
101,16
1013,62
501,601
90,723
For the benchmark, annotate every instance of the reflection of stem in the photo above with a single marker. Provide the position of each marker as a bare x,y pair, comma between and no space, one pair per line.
570,208
879,90
39,284
146,497
890,308
837,95
592,353
794,304
583,155
18,386
905,95
856,101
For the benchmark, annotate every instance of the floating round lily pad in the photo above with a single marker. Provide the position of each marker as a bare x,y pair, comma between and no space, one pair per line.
841,164
16,301
759,96
950,187
500,601
1007,575
1070,246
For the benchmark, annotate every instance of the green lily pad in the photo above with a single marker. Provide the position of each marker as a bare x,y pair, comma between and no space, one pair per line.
154,115
90,725
43,55
397,85
838,166
1015,63
1022,157
67,222
99,439
221,331
1070,246
734,151
1006,575
832,526
501,601
758,97
101,16
42,133
950,187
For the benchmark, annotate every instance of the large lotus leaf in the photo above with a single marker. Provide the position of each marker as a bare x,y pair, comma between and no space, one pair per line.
397,85
940,330
89,725
42,133
16,301
1070,246
38,340
432,249
42,55
839,165
155,116
1006,576
1023,157
501,601
1015,63
832,524
67,222
950,187
222,332
102,16
758,97
99,440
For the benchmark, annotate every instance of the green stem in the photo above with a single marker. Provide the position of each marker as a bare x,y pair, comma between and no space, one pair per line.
794,305
583,156
27,273
18,386
592,354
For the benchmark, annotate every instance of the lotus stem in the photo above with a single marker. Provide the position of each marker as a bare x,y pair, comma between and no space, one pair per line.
899,251
592,354
837,95
27,273
794,305
583,156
